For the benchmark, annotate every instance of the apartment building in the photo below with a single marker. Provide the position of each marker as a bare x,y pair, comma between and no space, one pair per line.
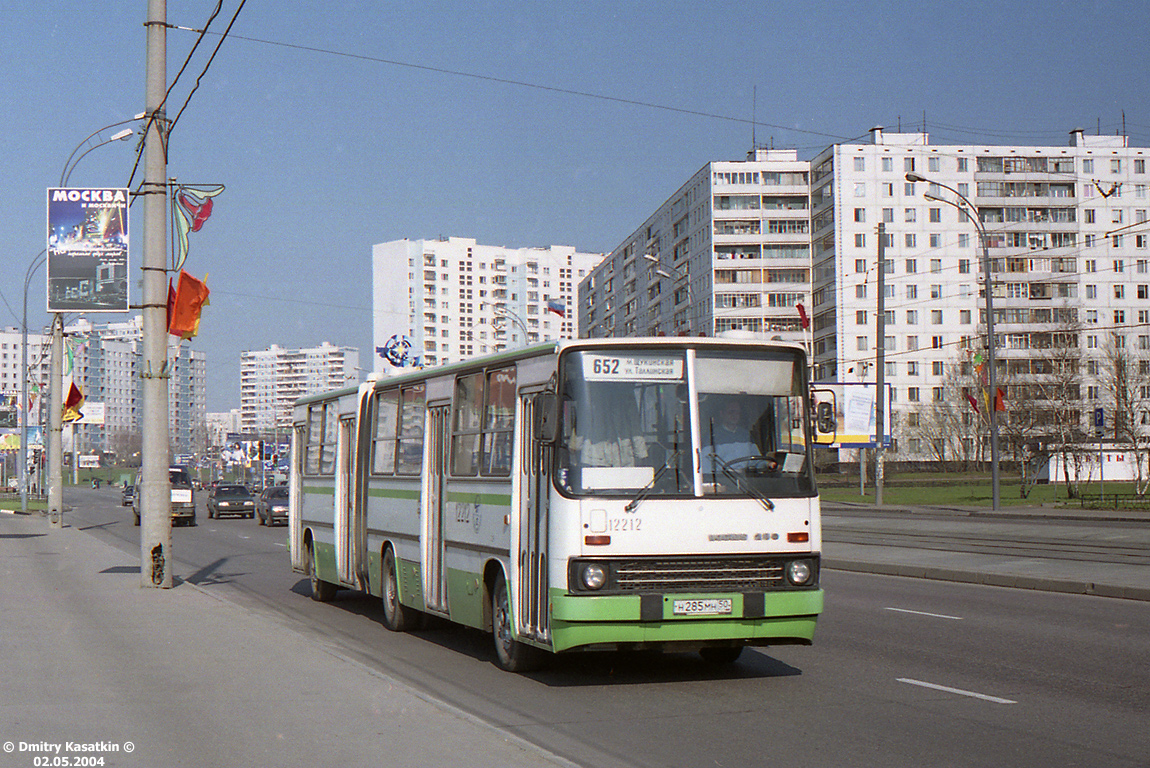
729,251
1065,238
104,360
271,380
442,301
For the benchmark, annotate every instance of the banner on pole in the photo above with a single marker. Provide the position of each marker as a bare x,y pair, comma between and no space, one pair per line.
87,250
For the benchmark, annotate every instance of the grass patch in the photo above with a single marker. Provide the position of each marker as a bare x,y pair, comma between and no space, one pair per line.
954,489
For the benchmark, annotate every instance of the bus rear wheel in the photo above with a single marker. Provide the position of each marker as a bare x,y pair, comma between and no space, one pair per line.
396,616
510,654
321,591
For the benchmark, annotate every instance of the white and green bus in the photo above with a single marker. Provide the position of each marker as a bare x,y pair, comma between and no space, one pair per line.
632,493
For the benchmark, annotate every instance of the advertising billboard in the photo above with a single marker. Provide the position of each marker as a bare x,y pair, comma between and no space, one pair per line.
87,250
853,407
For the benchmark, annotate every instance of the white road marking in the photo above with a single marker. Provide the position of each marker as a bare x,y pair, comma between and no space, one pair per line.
945,689
921,613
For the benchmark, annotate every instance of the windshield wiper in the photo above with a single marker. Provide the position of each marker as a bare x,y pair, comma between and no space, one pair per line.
645,491
737,478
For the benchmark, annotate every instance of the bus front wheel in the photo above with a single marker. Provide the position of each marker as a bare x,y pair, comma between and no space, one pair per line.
396,616
510,654
321,591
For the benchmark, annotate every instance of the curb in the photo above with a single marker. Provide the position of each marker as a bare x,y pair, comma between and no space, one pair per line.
991,579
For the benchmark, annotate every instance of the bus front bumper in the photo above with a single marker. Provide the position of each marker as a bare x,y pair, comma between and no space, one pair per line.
772,618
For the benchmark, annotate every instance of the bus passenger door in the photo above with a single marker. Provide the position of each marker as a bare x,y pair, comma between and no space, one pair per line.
434,567
531,561
346,541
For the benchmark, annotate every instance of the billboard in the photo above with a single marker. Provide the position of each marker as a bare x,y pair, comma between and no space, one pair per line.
853,408
91,413
87,250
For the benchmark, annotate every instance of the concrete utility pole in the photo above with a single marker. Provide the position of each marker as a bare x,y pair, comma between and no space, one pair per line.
880,354
55,443
155,495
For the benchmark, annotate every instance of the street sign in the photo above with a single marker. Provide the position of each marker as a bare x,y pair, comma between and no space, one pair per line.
1099,418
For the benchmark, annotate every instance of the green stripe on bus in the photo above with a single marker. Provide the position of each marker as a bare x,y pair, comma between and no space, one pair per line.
322,490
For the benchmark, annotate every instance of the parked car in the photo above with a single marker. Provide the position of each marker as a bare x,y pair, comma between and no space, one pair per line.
183,498
272,505
231,500
128,495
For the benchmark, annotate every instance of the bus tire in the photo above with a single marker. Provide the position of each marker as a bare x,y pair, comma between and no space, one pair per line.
721,655
321,591
510,654
396,616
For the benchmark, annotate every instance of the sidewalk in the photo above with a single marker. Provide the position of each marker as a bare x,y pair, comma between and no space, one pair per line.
1032,571
92,662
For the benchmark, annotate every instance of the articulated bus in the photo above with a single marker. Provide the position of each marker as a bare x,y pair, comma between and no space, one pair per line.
633,493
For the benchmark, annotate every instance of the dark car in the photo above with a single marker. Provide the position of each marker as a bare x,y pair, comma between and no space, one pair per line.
272,505
231,500
128,495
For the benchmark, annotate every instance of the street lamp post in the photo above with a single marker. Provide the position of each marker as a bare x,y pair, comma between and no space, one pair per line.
680,274
503,313
967,208
54,384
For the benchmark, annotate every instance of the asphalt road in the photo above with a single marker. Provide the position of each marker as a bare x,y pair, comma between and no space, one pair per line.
903,672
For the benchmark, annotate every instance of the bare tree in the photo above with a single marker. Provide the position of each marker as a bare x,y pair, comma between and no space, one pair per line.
1058,383
1124,377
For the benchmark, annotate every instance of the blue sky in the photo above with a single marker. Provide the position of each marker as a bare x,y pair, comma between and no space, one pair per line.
346,127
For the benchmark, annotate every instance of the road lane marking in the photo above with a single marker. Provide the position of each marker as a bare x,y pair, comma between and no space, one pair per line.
960,692
922,613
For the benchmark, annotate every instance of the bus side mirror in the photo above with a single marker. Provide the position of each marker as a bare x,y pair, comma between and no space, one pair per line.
546,417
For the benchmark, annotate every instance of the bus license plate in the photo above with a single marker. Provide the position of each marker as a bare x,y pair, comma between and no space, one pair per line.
713,607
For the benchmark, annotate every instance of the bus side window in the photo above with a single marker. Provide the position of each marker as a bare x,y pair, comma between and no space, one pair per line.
465,425
411,412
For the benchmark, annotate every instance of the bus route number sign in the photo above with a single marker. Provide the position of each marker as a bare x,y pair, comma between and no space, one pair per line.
623,368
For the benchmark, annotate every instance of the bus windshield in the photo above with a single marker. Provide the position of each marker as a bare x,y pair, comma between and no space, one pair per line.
676,422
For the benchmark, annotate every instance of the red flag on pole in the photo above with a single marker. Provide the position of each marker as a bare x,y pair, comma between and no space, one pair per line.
200,213
190,298
973,403
803,319
999,399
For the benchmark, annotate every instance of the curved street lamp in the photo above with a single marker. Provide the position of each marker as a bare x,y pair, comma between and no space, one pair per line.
65,174
967,208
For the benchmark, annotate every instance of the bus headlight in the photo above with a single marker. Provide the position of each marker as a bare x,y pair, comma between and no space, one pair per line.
799,572
593,576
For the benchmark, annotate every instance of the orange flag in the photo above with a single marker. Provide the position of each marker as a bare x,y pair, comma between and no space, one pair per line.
191,297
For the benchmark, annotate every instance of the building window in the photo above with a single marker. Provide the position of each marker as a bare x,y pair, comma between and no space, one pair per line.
860,240
860,266
860,163
860,317
936,317
861,343
860,215
888,164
